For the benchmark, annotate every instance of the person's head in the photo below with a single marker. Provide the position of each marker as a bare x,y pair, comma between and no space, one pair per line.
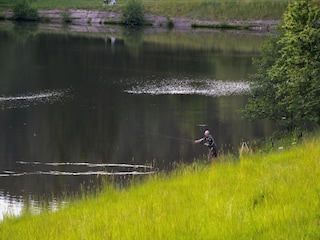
206,133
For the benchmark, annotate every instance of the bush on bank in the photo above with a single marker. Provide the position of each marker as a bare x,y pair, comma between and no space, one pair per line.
133,13
22,11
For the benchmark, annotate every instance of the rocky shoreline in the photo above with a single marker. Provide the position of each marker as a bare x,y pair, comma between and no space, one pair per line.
95,20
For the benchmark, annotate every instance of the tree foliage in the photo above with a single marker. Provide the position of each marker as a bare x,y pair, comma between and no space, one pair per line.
286,87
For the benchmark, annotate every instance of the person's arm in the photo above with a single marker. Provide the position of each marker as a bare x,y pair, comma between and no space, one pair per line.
198,140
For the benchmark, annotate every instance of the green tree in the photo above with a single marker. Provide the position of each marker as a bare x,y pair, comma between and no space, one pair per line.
133,13
286,87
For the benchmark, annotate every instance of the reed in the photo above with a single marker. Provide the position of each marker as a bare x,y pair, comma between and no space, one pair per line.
273,195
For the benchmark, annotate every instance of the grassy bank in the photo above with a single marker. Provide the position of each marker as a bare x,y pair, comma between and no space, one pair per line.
264,196
219,9
194,9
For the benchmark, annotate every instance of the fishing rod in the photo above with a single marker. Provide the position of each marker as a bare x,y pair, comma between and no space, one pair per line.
166,136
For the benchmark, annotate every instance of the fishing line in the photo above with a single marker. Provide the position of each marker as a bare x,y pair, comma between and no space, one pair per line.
165,136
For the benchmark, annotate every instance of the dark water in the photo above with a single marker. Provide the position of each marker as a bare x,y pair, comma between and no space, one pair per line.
78,106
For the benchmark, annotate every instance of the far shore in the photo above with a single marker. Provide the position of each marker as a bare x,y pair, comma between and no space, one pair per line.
96,19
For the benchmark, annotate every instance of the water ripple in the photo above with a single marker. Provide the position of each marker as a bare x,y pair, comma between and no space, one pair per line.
143,169
87,173
87,164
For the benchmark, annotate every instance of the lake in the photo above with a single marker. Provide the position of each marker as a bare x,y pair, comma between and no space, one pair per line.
78,108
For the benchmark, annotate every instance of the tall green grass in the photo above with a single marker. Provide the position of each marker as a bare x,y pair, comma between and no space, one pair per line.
263,196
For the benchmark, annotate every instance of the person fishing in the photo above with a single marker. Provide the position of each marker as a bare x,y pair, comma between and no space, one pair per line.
208,141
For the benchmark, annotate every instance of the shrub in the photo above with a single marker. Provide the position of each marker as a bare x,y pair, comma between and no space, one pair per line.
45,19
170,22
133,13
66,17
22,11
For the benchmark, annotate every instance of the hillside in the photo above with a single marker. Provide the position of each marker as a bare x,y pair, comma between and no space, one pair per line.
263,196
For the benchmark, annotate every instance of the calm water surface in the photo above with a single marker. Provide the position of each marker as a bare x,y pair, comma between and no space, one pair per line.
74,106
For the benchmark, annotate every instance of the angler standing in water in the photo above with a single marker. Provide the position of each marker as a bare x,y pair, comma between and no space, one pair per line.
208,141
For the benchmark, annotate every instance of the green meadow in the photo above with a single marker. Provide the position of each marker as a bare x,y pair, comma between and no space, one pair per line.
194,9
270,194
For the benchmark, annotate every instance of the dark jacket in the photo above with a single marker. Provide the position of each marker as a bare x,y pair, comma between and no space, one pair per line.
210,141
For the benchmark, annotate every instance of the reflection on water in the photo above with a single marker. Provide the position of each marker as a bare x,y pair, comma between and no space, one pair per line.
25,100
207,87
10,206
16,205
81,109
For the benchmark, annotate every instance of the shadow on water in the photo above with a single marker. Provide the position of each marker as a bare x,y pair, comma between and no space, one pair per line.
133,39
24,30
78,110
